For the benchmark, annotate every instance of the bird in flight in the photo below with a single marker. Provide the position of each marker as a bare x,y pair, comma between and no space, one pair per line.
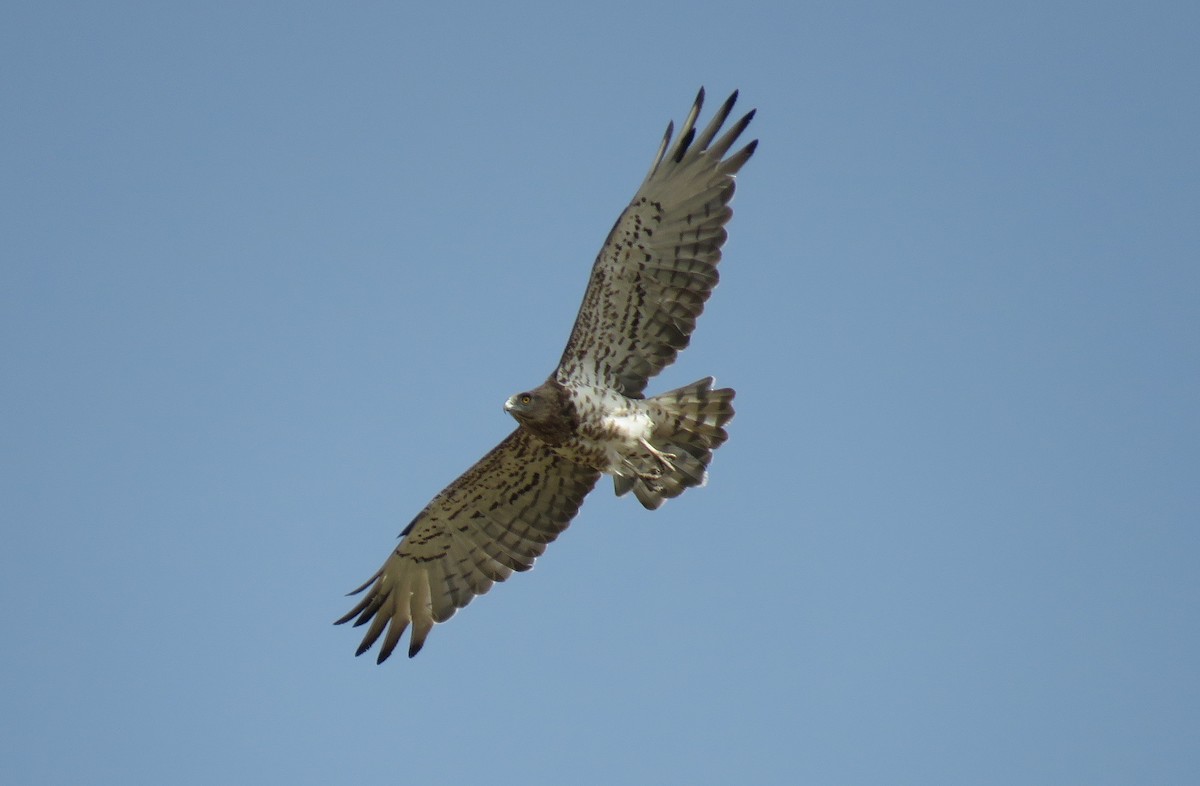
648,285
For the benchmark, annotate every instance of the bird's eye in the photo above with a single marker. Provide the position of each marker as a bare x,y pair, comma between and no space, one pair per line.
526,398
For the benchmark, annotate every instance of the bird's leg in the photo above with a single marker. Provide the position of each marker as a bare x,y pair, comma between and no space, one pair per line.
664,458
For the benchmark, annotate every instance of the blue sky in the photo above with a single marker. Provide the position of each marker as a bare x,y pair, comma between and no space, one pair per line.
270,270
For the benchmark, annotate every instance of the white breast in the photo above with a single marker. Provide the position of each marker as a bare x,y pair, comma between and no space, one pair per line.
629,427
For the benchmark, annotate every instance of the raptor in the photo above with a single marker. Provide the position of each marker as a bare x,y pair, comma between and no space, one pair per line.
649,284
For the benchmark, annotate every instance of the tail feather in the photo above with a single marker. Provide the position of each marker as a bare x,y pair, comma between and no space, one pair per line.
689,425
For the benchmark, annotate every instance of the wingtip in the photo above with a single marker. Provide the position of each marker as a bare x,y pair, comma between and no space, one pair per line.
365,584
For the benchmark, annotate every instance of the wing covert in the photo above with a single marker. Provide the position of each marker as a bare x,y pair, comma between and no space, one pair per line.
658,265
496,518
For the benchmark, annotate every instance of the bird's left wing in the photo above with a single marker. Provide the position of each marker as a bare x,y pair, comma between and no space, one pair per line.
659,263
494,519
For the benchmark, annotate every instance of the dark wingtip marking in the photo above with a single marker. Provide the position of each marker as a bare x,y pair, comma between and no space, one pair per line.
727,107
363,611
365,584
740,126
684,143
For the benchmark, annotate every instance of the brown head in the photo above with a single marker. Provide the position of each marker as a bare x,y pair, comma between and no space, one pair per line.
546,411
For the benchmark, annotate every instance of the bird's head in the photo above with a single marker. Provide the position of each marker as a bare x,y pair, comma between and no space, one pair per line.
524,406
537,408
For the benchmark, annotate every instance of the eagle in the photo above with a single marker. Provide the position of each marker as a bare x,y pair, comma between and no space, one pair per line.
648,285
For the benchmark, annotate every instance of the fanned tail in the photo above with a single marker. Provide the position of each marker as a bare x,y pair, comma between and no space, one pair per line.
688,428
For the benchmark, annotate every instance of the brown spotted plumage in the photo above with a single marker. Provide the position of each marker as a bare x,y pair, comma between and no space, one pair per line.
648,286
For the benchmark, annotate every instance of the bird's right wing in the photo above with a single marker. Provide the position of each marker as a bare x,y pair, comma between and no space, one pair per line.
494,519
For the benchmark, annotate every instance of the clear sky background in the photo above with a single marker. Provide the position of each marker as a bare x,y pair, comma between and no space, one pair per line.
270,270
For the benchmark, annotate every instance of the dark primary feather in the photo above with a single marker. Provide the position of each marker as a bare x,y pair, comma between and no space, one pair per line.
494,519
658,265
